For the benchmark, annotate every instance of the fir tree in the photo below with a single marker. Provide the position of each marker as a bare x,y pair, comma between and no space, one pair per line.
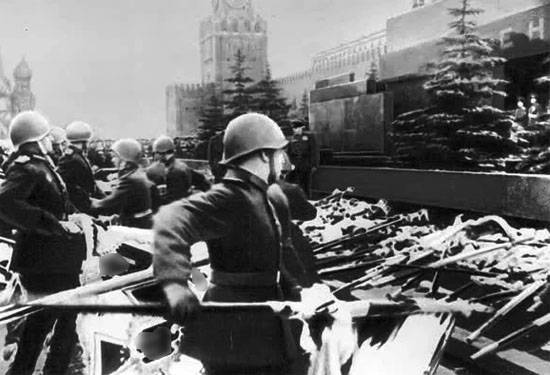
239,97
303,109
212,117
268,100
460,130
293,110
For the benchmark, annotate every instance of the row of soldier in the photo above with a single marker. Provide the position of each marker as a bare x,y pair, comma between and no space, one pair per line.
246,231
48,177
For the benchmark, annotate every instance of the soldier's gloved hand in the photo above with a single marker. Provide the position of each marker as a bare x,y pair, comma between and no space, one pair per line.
70,227
183,304
94,202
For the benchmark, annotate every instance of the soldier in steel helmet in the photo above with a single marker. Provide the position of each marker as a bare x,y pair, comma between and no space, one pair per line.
173,174
75,168
240,226
59,141
49,250
135,197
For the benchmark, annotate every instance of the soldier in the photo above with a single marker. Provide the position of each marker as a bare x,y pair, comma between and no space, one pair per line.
58,143
534,111
520,115
75,168
180,180
135,197
48,253
241,229
304,154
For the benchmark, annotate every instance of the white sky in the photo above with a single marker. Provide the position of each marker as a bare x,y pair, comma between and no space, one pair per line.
108,62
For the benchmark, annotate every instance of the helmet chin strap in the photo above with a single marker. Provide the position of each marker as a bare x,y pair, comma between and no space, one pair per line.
42,148
272,176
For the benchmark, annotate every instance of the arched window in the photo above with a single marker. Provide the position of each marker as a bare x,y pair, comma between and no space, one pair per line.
247,25
235,26
258,27
224,25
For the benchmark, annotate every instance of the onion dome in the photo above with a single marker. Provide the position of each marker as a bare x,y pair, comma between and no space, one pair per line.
22,71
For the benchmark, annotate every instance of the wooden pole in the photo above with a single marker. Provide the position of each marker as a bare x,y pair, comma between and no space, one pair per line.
513,303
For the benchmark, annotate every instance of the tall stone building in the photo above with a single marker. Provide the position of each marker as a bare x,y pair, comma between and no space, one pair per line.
15,97
22,96
234,25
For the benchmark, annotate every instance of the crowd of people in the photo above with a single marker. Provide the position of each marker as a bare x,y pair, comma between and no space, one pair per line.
244,216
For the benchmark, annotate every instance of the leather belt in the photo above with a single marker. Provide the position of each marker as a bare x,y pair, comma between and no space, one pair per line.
245,279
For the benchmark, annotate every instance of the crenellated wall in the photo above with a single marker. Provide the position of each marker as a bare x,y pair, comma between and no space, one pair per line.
359,56
183,101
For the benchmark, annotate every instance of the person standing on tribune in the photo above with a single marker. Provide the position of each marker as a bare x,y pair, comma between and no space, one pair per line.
304,155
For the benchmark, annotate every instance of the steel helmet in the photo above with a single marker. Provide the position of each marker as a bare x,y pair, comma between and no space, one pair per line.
79,131
28,126
163,144
249,133
58,135
128,149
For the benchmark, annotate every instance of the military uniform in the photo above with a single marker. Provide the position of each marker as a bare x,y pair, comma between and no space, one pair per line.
56,154
156,173
180,179
175,179
534,113
133,199
303,153
242,231
291,204
33,200
76,171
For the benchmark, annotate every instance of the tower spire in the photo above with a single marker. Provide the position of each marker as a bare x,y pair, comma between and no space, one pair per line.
2,73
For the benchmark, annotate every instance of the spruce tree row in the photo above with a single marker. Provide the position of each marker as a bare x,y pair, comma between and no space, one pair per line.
241,96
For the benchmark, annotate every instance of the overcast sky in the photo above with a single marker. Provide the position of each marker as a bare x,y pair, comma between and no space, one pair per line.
108,62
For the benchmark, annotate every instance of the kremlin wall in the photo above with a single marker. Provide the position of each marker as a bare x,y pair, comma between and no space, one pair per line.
397,55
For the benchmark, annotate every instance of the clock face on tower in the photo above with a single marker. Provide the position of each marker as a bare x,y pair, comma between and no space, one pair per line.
236,4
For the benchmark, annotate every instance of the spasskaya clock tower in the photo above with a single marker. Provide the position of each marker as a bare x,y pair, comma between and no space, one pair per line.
234,25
